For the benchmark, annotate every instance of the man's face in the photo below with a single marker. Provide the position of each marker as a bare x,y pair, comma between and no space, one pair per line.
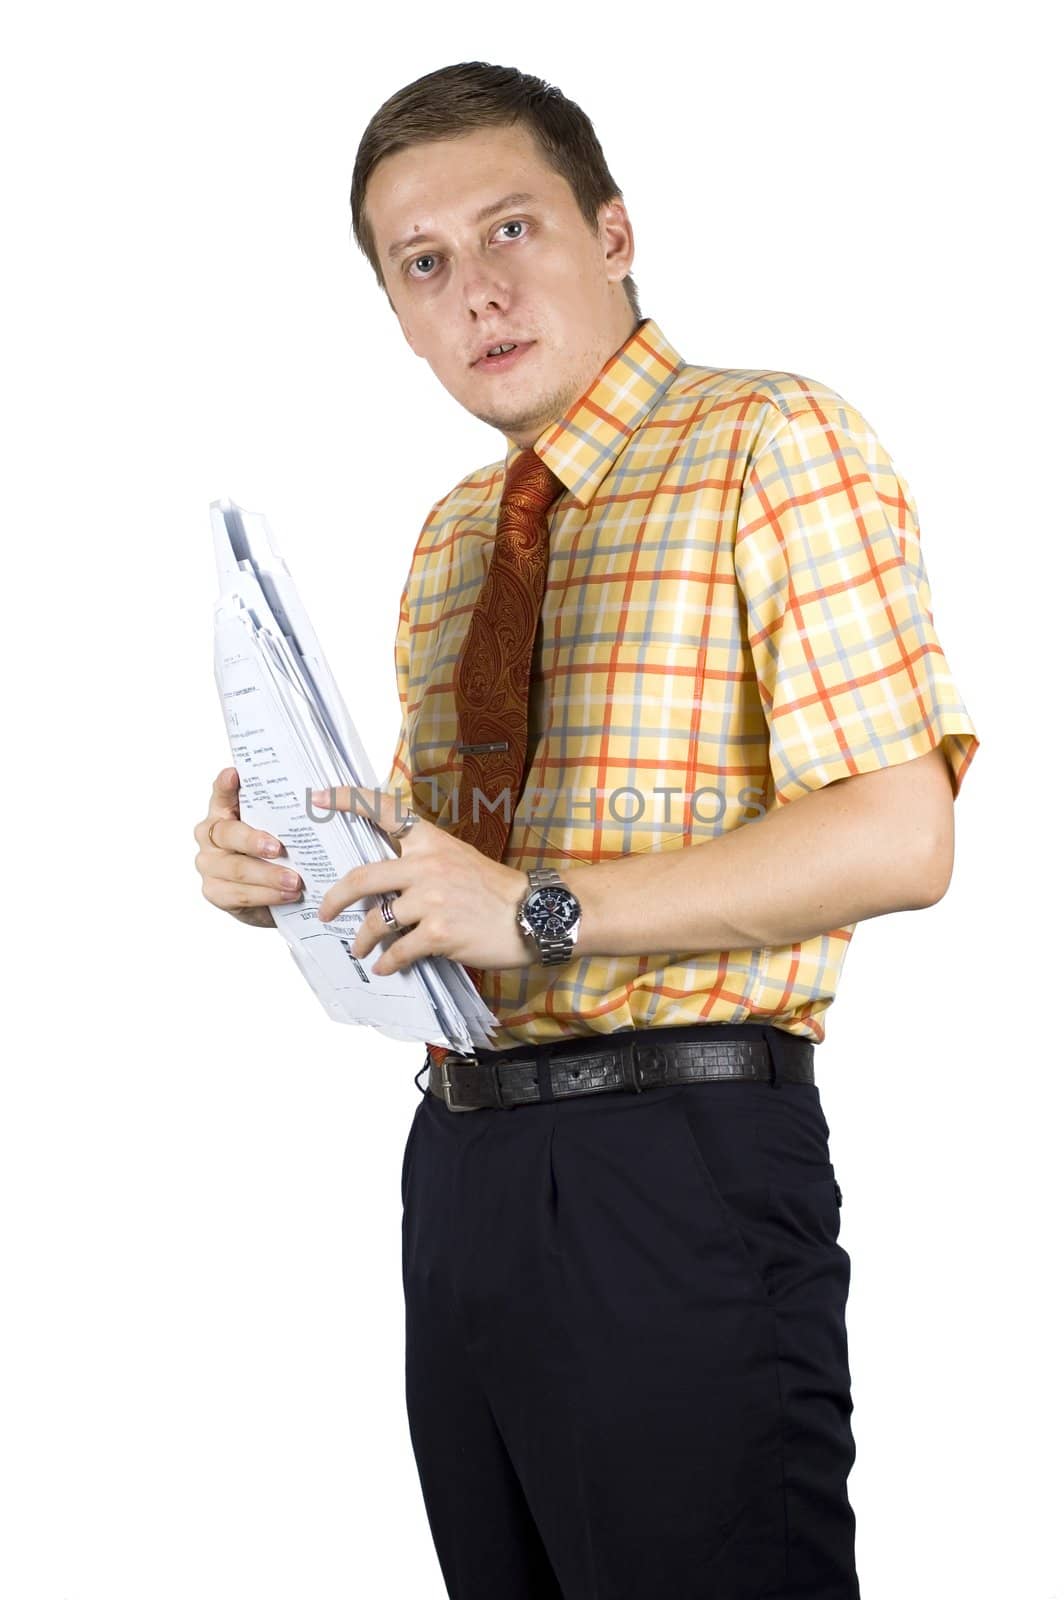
530,273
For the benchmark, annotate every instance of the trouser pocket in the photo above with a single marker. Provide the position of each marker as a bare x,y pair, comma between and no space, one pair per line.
762,1157
719,1139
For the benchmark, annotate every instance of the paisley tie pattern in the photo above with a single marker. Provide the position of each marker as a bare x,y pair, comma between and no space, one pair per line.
492,676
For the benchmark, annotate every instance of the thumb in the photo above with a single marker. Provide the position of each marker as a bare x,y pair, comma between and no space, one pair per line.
336,798
225,791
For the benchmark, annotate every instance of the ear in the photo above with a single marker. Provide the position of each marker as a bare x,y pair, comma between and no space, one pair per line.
617,238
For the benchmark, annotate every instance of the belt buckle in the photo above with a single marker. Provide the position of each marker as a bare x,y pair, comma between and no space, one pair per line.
447,1085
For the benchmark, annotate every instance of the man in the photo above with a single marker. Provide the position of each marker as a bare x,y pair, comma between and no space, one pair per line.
692,598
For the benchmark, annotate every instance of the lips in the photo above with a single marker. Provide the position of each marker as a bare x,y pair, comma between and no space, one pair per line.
492,344
486,362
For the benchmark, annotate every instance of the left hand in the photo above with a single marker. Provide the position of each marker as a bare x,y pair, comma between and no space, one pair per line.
453,900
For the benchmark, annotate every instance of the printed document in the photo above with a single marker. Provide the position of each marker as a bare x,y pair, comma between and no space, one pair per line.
289,733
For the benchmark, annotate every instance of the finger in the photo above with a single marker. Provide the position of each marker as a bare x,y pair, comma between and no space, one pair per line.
410,947
224,806
376,926
376,877
376,805
338,797
369,934
233,895
232,867
228,834
225,791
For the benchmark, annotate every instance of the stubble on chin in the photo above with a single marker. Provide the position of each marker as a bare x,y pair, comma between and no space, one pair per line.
546,410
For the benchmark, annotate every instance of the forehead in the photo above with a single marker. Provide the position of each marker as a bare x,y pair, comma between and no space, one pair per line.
444,182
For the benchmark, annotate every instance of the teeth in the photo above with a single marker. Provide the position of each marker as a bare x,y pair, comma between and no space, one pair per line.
500,349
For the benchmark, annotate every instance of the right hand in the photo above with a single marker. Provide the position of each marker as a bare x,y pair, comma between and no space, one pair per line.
234,877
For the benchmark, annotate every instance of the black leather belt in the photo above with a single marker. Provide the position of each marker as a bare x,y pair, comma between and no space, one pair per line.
629,1059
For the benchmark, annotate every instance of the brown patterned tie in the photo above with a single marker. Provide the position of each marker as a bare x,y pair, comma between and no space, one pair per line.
494,668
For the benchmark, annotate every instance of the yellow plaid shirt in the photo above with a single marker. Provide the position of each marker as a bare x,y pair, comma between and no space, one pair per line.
736,613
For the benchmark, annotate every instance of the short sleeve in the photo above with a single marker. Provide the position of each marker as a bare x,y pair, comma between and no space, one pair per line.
849,668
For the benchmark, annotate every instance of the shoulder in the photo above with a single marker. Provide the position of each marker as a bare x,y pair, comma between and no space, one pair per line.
474,497
768,415
474,490
764,398
471,495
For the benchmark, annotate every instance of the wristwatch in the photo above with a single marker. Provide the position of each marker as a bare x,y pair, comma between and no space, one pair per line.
549,914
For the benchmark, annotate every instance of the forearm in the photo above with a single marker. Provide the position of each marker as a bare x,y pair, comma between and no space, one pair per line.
822,862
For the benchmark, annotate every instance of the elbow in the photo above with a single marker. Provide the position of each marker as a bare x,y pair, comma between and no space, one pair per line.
935,834
933,863
937,879
909,830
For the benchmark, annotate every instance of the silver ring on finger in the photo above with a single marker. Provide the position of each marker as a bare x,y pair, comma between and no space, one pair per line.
387,913
409,818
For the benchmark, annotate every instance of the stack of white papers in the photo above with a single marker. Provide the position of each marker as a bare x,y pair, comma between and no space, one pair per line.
290,733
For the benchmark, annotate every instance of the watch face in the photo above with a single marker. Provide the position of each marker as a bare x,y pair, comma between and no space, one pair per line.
552,912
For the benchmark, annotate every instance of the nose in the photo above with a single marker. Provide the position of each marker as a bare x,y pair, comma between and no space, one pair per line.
484,291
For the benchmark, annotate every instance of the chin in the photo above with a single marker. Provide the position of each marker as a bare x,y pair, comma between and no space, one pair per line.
535,415
509,421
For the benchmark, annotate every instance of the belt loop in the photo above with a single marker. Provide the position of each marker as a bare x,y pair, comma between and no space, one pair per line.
631,1067
774,1045
426,1064
496,1087
543,1078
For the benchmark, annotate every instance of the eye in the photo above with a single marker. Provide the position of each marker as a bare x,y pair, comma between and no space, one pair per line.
413,267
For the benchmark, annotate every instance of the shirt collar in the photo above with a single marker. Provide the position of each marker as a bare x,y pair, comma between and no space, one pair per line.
581,447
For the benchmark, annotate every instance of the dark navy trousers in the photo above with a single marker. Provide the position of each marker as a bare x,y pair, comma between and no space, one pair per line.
626,1352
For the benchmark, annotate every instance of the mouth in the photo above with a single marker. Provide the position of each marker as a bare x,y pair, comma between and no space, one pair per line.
509,355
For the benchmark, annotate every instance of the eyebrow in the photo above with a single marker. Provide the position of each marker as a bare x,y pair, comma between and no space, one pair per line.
482,215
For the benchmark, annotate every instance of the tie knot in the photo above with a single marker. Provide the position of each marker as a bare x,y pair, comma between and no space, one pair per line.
530,479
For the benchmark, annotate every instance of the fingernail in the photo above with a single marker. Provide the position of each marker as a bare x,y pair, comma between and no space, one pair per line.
319,797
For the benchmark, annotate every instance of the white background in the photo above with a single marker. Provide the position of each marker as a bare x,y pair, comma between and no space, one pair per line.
202,1318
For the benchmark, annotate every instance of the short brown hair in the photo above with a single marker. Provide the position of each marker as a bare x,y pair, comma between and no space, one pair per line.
473,94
